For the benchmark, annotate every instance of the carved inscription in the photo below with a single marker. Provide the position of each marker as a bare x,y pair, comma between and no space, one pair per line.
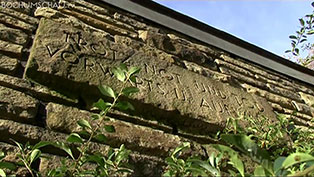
206,95
86,57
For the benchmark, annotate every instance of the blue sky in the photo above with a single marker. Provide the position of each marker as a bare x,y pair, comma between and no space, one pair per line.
265,23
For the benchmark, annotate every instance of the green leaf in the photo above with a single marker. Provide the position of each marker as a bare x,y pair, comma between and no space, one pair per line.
109,128
84,133
95,116
74,138
19,145
123,67
2,173
7,165
225,149
206,166
296,51
101,104
293,37
278,163
130,90
118,72
310,32
34,155
259,171
301,21
101,138
296,158
42,144
248,146
287,51
182,147
95,158
124,105
196,171
133,79
134,70
64,147
238,164
107,91
84,124
2,155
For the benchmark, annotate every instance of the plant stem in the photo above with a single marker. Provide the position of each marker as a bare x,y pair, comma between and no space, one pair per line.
27,165
85,146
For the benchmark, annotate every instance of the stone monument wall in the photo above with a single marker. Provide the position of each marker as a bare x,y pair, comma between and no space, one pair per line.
53,59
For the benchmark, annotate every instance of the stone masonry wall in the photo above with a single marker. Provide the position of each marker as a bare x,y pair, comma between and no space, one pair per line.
52,59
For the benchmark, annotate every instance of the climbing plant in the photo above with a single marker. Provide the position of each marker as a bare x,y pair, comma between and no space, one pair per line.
86,163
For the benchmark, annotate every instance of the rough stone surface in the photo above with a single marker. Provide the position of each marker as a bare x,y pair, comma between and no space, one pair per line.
187,88
176,47
167,90
9,20
308,99
145,165
283,81
11,152
50,162
249,77
100,23
12,35
22,16
11,48
8,65
155,142
15,105
35,90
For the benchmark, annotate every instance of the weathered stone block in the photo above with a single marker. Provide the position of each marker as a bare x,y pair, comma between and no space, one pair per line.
11,152
12,49
308,99
179,47
29,19
72,60
35,90
138,138
144,165
249,77
269,76
5,19
99,21
12,35
16,105
8,65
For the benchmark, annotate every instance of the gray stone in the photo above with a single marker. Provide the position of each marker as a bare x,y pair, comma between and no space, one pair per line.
13,35
284,102
72,61
11,152
269,76
17,105
249,77
144,165
38,91
99,21
137,138
308,99
26,18
8,65
10,48
81,8
5,19
181,48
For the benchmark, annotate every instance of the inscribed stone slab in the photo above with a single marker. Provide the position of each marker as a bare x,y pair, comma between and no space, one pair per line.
65,58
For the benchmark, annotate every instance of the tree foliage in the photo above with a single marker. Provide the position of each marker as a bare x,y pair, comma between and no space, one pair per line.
302,49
